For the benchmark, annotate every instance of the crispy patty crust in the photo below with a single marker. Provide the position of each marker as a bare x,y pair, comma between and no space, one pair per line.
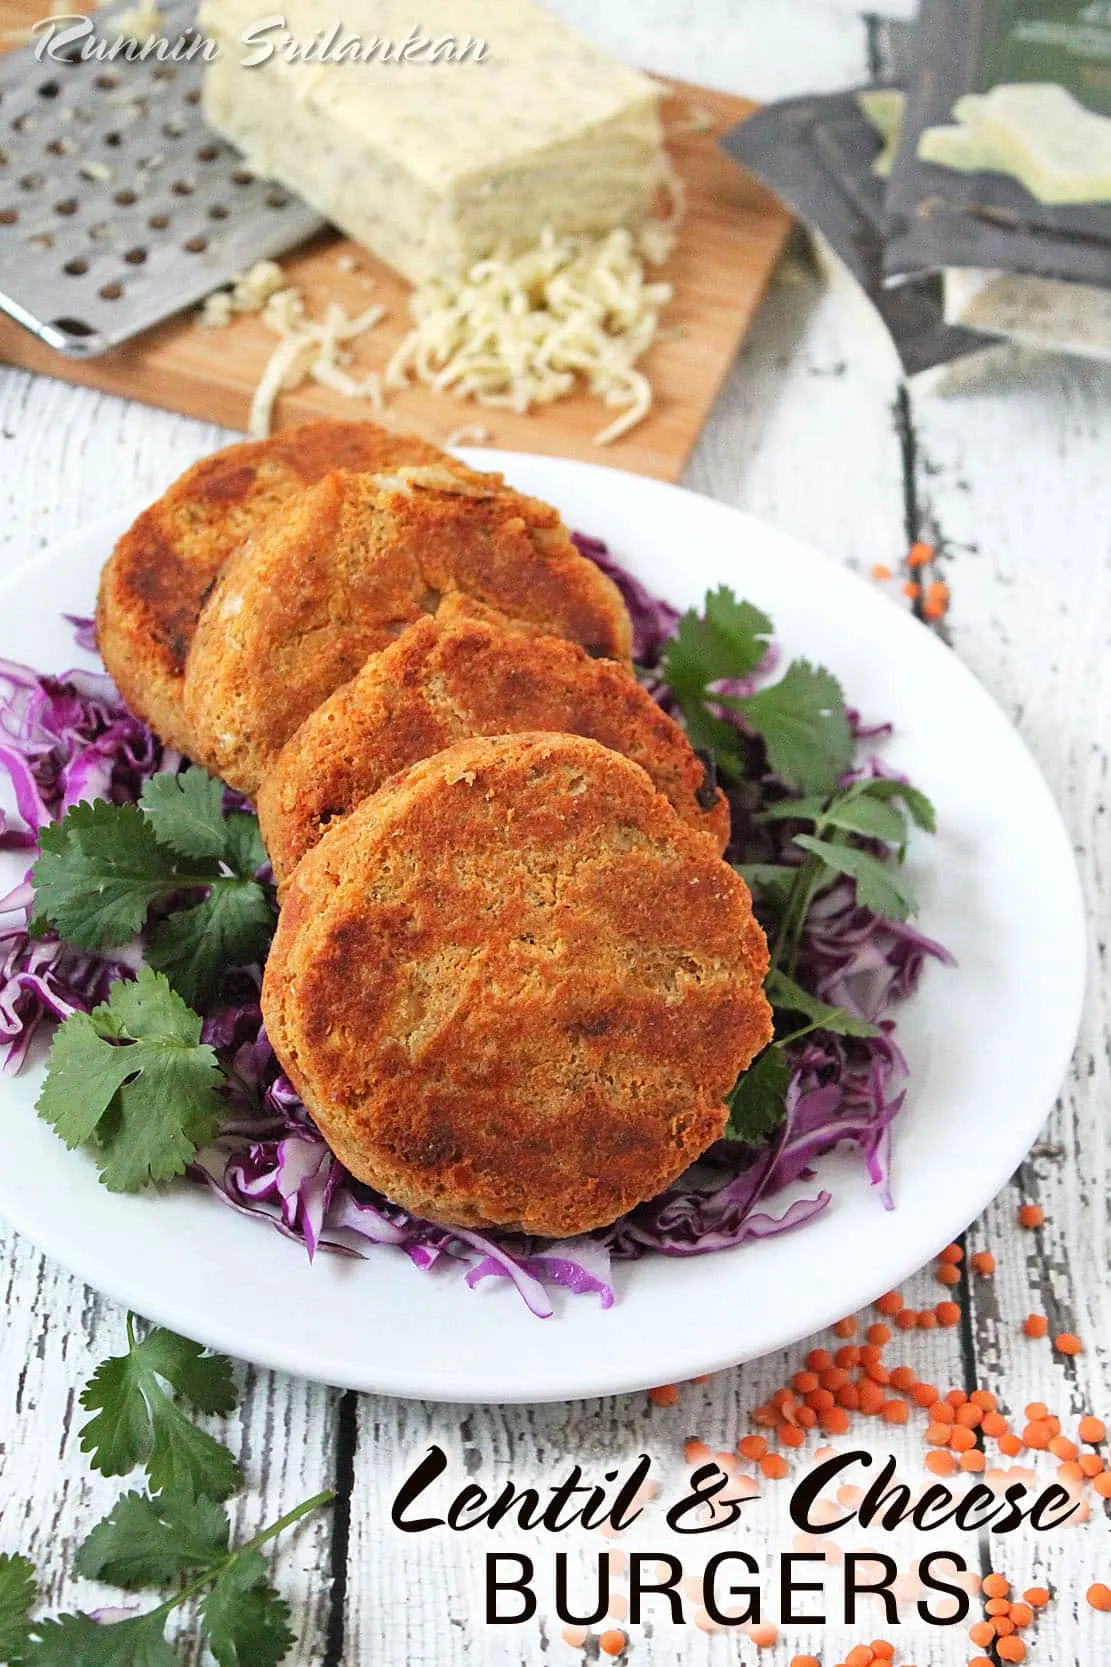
514,988
159,573
445,680
341,573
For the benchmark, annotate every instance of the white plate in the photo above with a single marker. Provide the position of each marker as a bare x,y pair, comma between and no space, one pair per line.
988,1043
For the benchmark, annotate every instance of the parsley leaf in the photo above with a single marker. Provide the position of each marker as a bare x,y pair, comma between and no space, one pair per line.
245,1619
147,1542
138,1421
728,639
186,812
879,886
854,811
783,992
919,807
100,870
804,726
133,1081
77,1641
17,1596
758,1100
195,947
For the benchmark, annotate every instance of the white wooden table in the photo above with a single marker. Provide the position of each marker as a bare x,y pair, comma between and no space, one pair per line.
1009,476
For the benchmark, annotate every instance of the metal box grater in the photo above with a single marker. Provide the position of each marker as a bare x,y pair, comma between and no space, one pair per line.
118,206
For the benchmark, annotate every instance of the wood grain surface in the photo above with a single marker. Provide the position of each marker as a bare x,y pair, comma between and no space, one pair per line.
1006,471
733,233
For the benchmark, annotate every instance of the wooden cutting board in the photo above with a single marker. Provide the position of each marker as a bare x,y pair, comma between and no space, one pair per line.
730,240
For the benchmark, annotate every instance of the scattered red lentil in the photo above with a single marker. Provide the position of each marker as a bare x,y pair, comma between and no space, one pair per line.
1011,1649
1036,1596
937,600
906,1319
1031,1215
1036,1434
943,1412
920,554
903,1378
1021,1614
848,1357
942,1464
861,1655
805,1661
1062,1448
613,1641
1036,1409
994,1424
882,1650
790,1436
1035,1325
1010,1445
1091,1429
948,1275
696,1452
948,1313
912,590
575,1636
880,570
1102,1484
984,1399
763,1635
890,1303
1067,1342
996,1586
983,1263
974,1459
896,1412
665,1395
927,1319
1090,1463
774,1466
925,1394
1099,1596
952,1254
982,1633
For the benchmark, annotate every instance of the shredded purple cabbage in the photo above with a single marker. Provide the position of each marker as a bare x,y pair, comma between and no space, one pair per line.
70,737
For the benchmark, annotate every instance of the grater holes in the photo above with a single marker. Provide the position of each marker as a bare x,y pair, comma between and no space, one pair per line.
158,222
60,147
243,176
113,140
8,216
67,205
208,153
165,72
136,256
76,328
32,182
49,89
41,240
4,159
125,198
277,199
106,82
193,96
110,292
24,124
173,130
100,231
217,212
76,267
181,188
195,245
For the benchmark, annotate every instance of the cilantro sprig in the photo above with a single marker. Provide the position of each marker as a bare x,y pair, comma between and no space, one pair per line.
176,1538
857,828
104,867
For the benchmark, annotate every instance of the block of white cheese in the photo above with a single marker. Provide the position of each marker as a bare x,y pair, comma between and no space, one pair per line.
435,155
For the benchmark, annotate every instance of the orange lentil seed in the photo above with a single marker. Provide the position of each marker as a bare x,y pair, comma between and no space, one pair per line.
982,1633
896,1412
948,1313
1091,1430
997,1606
983,1263
763,1635
927,1319
612,1642
1011,1649
1031,1215
942,1464
805,1661
925,1394
912,590
920,554
574,1636
1011,1445
974,1459
774,1466
1102,1484
996,1586
861,1655
696,1452
882,1650
845,1327
1036,1596
1067,1342
906,1319
1021,1614
1099,1596
664,1395
948,1275
1035,1325
752,1446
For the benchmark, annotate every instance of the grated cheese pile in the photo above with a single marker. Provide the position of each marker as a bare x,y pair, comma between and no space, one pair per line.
514,332
522,332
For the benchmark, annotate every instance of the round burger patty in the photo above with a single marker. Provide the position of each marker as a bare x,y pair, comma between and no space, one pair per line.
445,680
340,574
158,575
514,988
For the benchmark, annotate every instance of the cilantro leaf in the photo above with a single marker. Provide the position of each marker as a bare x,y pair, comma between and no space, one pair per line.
919,807
137,1420
773,881
17,1597
244,1618
879,886
133,1080
804,726
100,870
758,1100
195,947
783,992
78,1641
872,818
728,639
146,1542
187,813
